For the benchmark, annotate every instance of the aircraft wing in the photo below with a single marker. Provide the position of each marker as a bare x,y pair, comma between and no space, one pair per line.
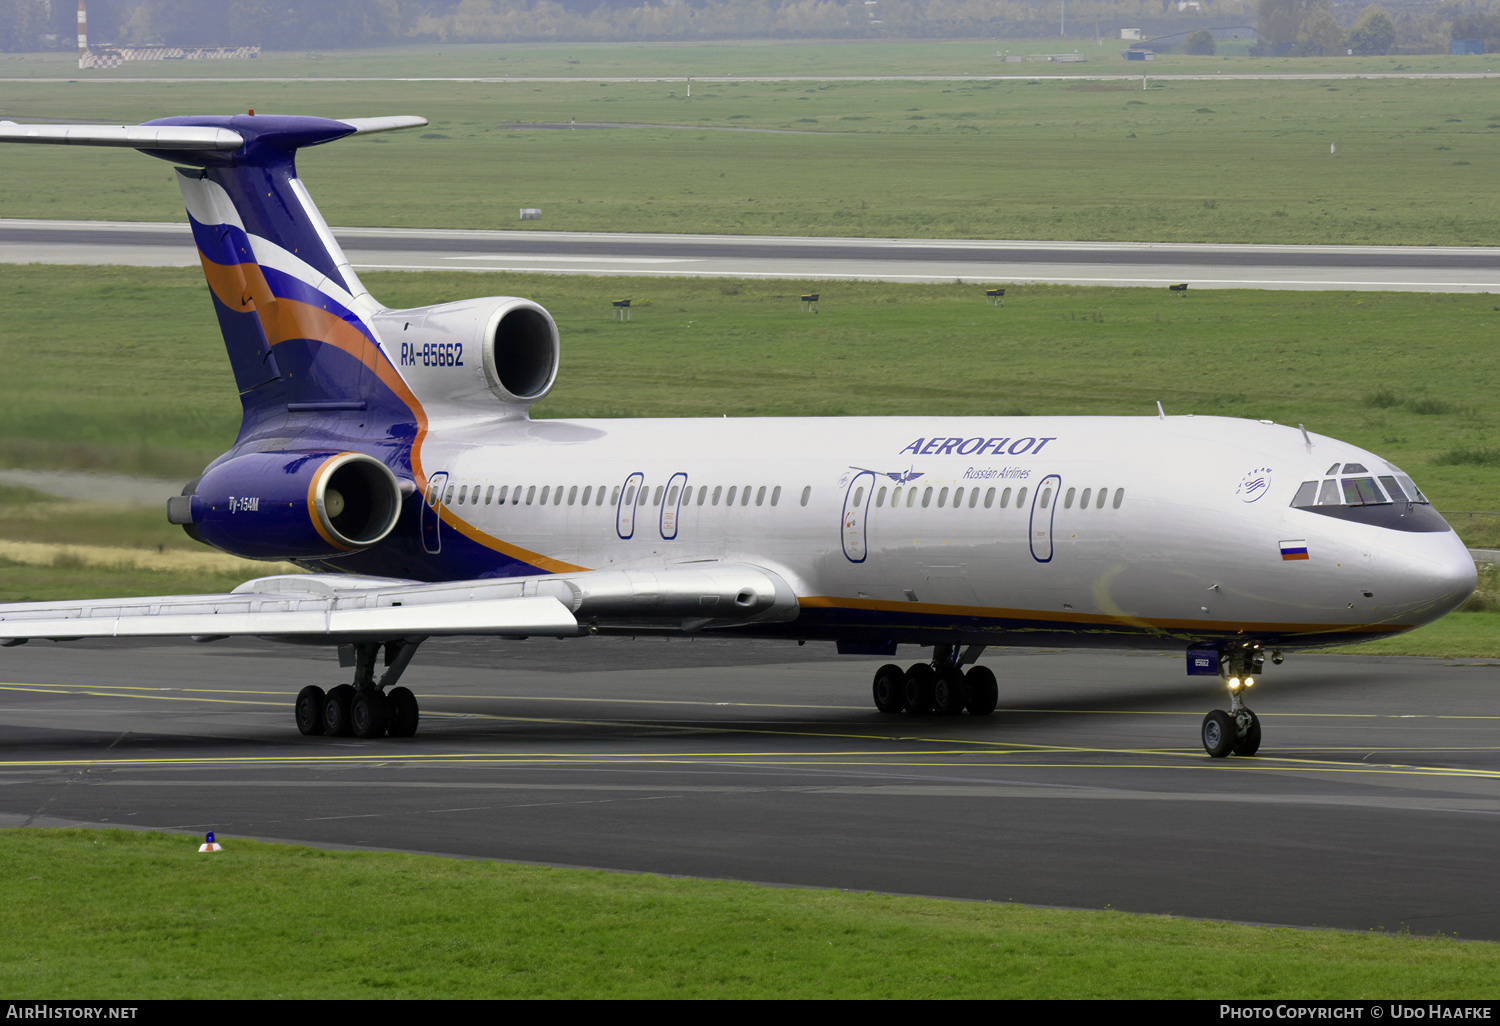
334,608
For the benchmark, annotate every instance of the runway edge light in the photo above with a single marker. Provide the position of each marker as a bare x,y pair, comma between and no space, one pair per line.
209,844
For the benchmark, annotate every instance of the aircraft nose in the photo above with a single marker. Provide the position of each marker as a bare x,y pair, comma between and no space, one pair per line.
1435,575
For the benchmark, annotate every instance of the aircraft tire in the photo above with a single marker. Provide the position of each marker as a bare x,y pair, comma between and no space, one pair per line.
948,692
367,714
983,691
1250,743
401,712
890,688
309,710
336,719
1218,734
919,681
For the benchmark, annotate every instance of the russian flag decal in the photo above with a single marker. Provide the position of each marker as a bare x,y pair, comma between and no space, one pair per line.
1295,549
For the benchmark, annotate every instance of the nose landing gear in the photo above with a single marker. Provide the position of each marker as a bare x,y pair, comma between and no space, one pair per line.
941,686
1236,732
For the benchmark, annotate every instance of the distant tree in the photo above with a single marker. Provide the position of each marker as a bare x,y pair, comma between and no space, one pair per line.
1373,33
1200,42
1277,23
1319,35
1477,25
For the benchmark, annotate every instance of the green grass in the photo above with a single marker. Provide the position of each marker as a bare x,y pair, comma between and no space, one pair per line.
123,915
1218,161
731,57
155,393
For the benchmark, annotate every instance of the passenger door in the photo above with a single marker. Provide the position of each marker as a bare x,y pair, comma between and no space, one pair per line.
1043,510
856,500
625,510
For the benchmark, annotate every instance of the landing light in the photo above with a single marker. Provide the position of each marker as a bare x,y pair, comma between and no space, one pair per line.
1249,681
1234,682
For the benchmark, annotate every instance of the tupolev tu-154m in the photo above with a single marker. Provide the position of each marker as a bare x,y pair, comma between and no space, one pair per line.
391,454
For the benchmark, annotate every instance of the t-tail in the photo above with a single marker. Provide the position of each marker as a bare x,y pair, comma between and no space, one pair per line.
337,391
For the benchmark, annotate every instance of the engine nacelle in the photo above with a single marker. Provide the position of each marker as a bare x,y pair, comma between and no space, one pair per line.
475,352
291,505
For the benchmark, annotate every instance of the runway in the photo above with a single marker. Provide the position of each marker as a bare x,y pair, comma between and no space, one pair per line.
1398,268
1372,806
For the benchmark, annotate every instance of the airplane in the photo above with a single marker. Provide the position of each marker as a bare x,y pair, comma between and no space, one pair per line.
391,454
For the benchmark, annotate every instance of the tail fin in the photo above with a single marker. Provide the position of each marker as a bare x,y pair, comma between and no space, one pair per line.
294,315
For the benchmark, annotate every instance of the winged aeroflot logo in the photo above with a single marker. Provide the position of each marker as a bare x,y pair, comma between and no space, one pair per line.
1254,484
900,476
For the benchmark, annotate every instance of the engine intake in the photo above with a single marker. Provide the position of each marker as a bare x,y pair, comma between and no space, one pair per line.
291,505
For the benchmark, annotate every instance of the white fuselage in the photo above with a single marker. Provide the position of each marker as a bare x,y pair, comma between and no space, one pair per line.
1158,527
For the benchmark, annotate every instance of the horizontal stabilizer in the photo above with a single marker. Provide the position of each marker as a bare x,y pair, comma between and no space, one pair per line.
140,137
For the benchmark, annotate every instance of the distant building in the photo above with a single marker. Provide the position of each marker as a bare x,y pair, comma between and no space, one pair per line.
1462,46
1130,33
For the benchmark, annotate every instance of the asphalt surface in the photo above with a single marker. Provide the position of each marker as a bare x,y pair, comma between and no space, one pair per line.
1372,806
1400,268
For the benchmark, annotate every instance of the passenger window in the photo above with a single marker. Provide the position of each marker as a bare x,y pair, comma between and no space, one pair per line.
745,495
1119,497
927,497
760,496
880,496
729,496
546,489
1307,495
942,498
448,499
656,501
1083,500
614,495
1046,497
911,497
895,497
463,492
1005,498
600,500
1329,494
859,495
775,495
806,494
504,490
573,495
718,490
630,495
672,496
702,495
588,491
1103,494
640,496
974,497
530,494
489,494
1020,498
557,494
958,497
1068,499
989,498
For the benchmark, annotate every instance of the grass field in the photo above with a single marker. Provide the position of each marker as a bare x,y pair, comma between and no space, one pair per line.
1404,374
738,58
1220,161
117,914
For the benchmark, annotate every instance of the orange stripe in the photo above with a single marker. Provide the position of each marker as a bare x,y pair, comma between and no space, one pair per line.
1095,619
312,509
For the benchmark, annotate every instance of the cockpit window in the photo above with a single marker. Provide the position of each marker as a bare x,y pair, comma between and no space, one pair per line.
1361,491
1331,470
1393,502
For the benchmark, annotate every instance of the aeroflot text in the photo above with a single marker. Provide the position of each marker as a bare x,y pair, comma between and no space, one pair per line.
976,446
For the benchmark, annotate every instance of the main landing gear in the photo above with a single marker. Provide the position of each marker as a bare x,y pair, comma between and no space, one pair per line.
1236,732
940,686
364,708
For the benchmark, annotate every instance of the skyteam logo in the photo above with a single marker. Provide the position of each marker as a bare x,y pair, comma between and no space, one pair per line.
1254,484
